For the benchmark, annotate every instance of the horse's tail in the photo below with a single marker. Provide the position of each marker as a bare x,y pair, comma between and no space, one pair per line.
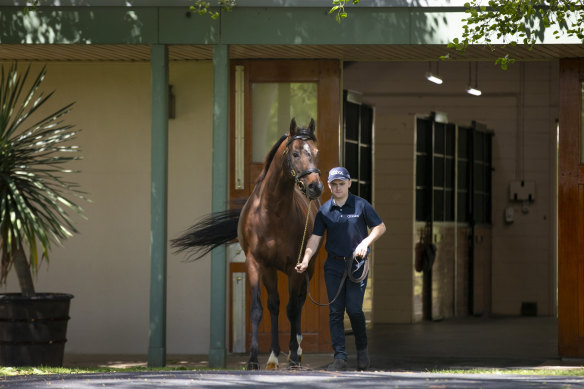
212,231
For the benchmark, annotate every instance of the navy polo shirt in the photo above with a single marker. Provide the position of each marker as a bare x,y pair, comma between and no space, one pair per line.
346,226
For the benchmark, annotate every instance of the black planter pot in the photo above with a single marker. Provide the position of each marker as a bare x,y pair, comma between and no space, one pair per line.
33,329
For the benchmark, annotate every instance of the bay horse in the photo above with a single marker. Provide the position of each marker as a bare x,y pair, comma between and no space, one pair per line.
272,228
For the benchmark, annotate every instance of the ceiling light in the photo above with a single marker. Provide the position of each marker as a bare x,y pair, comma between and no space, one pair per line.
473,91
435,79
434,76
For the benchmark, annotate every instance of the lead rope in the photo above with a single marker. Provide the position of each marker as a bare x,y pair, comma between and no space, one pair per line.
304,235
306,272
347,273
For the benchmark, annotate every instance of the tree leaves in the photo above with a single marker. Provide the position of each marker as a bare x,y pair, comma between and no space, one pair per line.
204,7
338,9
518,21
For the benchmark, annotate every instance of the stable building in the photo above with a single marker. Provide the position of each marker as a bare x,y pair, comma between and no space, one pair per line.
482,195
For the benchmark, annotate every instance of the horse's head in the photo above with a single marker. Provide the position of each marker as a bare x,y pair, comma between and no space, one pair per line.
303,159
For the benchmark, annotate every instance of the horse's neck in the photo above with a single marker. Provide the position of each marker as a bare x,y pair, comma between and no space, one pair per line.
278,186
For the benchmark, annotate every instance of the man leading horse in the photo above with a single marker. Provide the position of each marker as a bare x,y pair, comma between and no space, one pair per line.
347,220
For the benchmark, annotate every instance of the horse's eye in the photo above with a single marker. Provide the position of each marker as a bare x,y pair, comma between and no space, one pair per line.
296,154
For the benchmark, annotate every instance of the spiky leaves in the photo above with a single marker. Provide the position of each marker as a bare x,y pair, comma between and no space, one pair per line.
35,197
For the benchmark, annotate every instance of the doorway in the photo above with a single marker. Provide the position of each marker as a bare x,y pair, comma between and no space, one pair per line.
265,95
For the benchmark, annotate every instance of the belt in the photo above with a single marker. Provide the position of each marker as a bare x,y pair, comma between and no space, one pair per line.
347,258
342,258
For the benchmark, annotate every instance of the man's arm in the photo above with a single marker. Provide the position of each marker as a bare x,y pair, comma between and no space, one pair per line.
311,247
376,232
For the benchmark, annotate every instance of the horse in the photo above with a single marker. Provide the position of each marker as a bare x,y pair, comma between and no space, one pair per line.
272,228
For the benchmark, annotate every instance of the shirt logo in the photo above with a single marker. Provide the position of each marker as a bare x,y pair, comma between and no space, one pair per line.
351,216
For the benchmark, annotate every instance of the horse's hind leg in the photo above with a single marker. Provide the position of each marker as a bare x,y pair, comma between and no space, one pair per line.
270,279
256,311
297,292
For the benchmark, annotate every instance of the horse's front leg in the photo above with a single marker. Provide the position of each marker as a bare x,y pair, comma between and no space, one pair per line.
297,292
256,310
270,279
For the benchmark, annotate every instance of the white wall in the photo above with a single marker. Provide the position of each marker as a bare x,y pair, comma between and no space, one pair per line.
107,265
395,202
521,106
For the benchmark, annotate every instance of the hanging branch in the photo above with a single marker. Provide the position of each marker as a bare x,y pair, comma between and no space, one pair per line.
518,22
338,9
204,7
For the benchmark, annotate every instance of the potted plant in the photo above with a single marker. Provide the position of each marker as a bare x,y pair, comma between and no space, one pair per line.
35,208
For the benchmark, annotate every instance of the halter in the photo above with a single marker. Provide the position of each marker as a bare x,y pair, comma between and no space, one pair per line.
298,176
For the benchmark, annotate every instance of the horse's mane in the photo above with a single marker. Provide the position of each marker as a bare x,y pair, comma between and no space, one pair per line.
270,157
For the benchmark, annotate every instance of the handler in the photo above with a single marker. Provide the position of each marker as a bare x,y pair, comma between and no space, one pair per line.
346,218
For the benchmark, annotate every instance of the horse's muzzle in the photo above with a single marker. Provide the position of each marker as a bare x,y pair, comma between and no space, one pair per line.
314,190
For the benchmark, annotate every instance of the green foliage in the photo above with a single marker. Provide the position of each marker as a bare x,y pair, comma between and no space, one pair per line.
338,9
34,147
204,7
32,7
518,22
44,370
565,372
19,371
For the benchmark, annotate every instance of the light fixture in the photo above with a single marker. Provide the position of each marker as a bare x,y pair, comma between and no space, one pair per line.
171,103
435,78
473,90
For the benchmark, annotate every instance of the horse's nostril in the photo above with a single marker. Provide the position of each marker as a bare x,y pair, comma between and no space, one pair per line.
315,188
318,187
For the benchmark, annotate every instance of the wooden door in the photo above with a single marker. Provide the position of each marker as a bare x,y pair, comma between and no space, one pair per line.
571,211
286,79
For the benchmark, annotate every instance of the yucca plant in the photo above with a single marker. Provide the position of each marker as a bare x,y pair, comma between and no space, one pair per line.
35,150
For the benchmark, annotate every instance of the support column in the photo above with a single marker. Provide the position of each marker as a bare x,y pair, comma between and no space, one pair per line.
158,206
218,350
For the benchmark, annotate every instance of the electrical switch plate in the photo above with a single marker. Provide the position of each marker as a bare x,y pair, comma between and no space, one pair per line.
509,215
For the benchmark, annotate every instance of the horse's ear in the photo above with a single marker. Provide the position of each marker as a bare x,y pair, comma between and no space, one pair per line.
311,126
293,126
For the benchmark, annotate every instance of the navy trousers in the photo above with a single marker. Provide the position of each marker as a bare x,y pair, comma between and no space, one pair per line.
350,299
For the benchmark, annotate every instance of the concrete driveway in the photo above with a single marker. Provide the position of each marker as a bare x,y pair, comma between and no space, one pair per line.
296,379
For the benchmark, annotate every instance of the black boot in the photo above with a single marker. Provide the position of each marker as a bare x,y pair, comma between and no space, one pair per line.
338,365
362,359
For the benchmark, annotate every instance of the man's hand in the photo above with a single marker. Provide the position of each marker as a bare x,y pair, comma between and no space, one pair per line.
311,247
376,232
301,267
361,250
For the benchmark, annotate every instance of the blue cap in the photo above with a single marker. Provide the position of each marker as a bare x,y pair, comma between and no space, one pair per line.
338,173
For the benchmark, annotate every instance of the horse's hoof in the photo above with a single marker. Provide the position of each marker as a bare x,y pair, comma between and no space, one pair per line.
294,366
298,356
253,366
272,363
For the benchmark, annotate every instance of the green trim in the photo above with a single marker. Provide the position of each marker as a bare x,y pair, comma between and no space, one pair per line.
178,28
158,210
314,26
79,25
217,350
244,25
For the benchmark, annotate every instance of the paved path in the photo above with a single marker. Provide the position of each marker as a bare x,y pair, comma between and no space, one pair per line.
298,379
